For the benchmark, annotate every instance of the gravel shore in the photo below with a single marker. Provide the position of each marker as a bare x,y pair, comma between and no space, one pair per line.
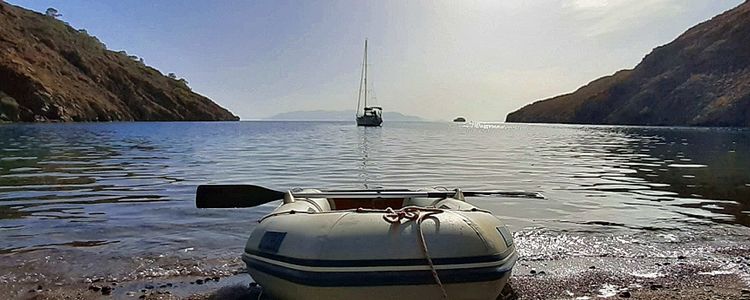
712,265
678,278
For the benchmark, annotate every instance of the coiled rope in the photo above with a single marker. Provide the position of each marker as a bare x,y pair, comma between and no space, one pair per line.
417,214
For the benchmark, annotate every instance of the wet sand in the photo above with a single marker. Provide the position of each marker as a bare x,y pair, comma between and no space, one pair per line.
582,278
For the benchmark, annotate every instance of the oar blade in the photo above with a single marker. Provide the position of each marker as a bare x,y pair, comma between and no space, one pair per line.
234,196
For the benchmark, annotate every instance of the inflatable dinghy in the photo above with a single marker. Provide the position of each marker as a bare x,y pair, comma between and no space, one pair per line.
377,244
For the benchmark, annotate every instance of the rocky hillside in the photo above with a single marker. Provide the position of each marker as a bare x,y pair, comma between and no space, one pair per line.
700,79
50,71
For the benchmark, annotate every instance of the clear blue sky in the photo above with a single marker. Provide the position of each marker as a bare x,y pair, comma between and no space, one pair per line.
435,59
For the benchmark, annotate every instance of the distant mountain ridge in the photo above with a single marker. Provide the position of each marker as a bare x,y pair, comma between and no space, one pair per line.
50,71
702,78
338,115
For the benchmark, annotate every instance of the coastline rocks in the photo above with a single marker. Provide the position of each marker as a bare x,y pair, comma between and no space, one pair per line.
51,72
702,78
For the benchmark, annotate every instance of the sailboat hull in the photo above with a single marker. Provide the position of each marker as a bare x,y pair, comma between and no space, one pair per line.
369,121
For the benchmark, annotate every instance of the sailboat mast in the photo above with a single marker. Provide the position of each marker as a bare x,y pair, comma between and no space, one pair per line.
365,73
371,116
361,78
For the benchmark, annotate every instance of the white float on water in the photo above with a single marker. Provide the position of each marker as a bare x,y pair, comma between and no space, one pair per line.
379,244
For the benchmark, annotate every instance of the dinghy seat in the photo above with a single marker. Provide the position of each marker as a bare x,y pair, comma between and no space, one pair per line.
343,204
445,203
453,204
419,201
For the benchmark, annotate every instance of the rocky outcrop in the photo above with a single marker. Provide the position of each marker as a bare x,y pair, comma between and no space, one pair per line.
50,71
700,79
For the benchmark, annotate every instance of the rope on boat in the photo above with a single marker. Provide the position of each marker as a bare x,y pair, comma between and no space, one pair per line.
414,213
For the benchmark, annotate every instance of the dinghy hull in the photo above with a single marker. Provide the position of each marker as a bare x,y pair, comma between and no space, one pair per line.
314,249
283,289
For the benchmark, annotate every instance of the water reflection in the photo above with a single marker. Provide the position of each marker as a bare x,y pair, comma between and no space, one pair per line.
690,168
62,183
369,137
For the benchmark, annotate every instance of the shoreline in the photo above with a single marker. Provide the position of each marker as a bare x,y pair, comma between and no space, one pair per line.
575,278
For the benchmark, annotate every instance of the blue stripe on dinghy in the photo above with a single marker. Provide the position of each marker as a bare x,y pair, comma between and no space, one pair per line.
382,262
380,278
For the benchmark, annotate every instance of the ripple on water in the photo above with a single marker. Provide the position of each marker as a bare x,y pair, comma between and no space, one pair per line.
686,166
12,158
134,183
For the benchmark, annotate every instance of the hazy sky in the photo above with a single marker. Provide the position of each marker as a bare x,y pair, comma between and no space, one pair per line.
435,59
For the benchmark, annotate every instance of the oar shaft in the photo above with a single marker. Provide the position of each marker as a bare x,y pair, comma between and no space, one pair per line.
370,195
229,196
407,194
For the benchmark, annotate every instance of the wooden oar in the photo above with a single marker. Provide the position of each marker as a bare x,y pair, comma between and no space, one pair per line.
231,196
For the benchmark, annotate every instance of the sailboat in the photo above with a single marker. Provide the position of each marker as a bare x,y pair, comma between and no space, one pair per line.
369,115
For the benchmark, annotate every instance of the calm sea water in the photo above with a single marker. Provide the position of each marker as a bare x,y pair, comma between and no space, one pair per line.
122,193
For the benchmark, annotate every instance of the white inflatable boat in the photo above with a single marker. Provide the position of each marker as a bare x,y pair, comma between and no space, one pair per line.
381,244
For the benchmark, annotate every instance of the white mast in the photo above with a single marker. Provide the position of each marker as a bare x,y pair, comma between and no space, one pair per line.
362,78
365,73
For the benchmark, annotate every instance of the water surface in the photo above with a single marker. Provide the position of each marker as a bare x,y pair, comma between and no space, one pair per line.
77,195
